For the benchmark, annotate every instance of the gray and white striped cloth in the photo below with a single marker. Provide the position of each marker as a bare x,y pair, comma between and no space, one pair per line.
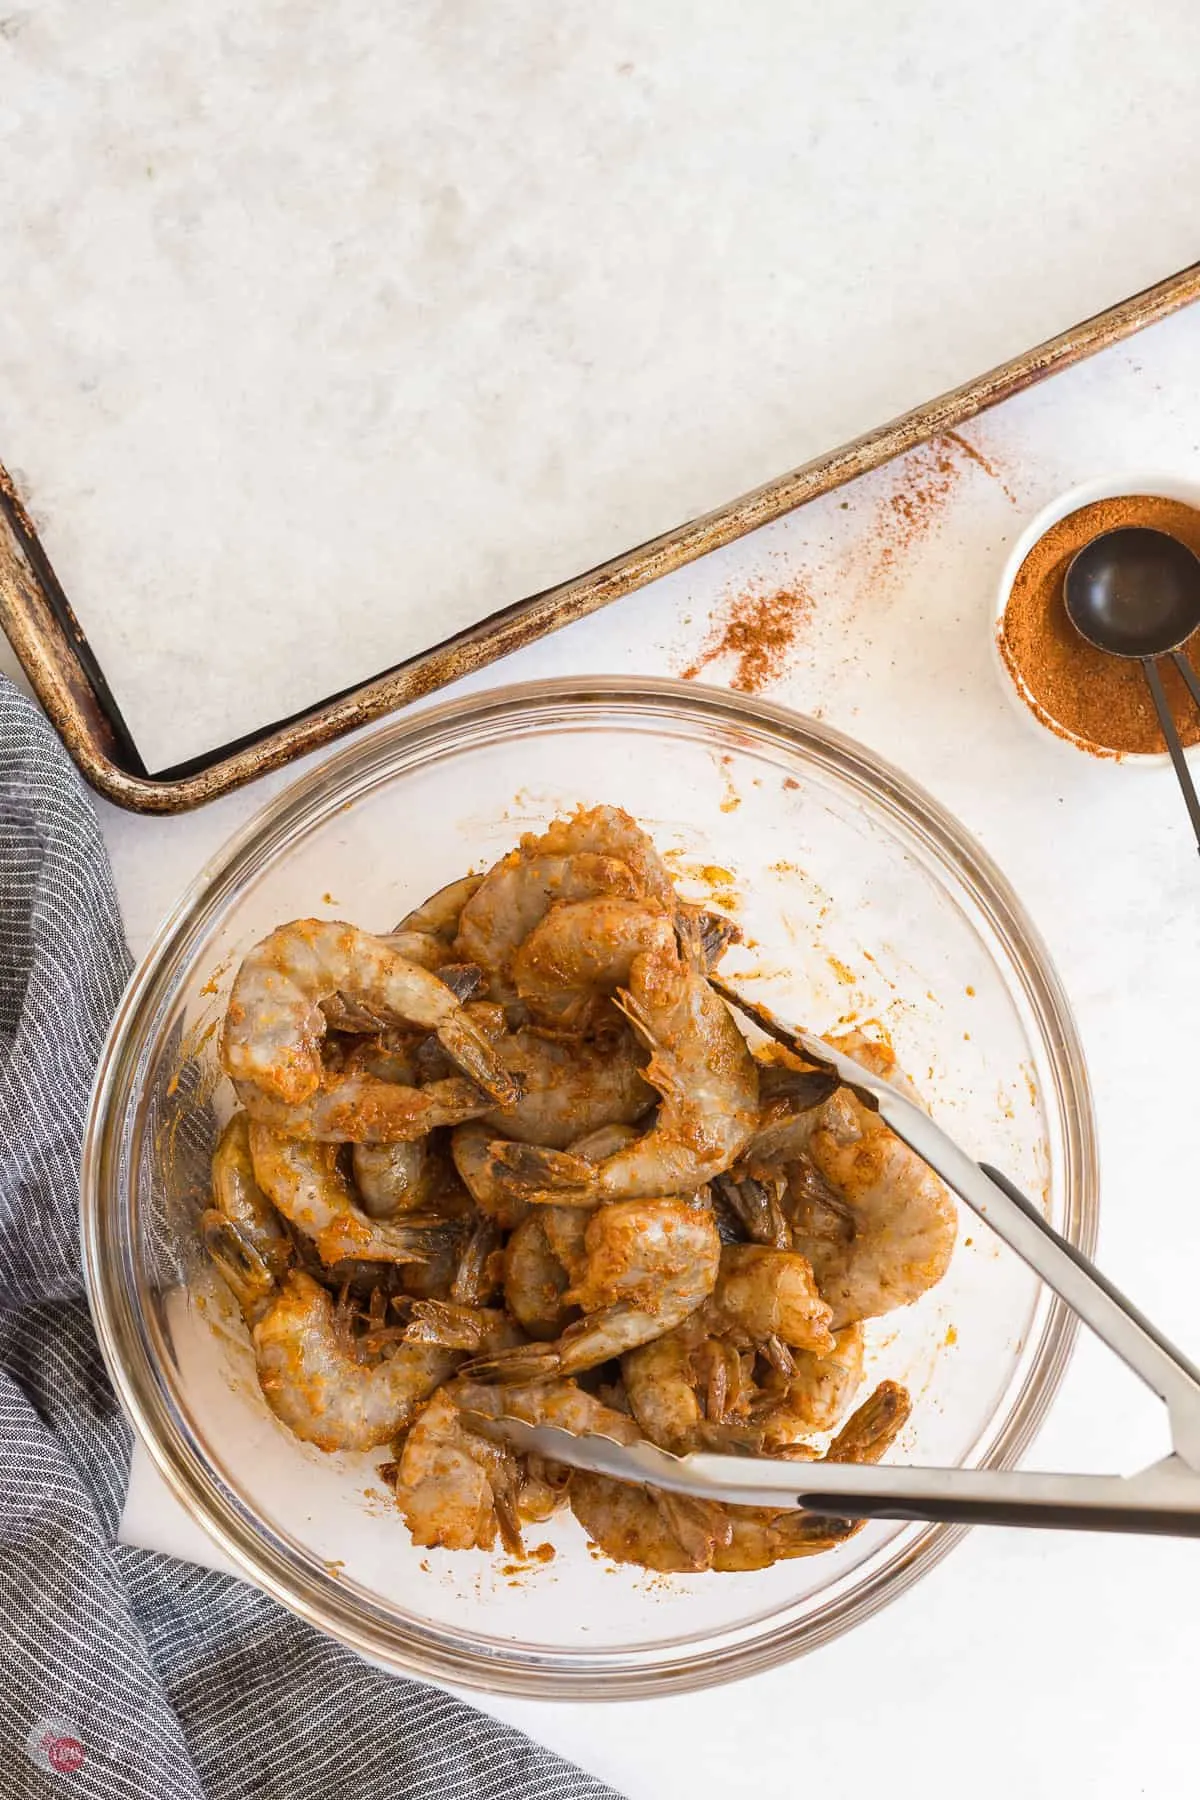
123,1673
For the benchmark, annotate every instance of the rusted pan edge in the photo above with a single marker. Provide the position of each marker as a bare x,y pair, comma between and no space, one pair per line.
54,654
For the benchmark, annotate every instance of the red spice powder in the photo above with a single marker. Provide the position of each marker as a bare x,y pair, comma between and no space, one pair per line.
1100,702
758,633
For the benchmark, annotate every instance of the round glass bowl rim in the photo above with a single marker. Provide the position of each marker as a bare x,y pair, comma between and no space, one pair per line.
109,1263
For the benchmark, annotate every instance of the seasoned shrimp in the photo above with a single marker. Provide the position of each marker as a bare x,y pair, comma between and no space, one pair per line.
471,1149
700,1064
547,1251
463,979
394,1178
763,1295
677,1535
545,1403
242,1230
274,1026
455,1488
672,1534
690,1388
610,831
663,1385
571,1089
304,1181
898,1237
791,1098
815,1395
646,1265
361,1109
761,1535
316,1384
756,1206
535,1279
458,1326
519,891
574,960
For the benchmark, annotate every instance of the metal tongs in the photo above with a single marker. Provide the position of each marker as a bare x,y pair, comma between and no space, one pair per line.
1163,1499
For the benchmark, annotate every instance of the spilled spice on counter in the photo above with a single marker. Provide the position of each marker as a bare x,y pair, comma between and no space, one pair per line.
758,632
925,482
1073,688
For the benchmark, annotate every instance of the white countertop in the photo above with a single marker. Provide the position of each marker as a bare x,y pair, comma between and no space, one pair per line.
1044,1665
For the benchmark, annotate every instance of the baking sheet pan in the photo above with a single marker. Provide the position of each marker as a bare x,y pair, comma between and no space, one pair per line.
339,336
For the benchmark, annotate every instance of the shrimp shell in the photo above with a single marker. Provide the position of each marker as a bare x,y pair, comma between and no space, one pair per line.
316,1385
572,1089
274,1026
701,1065
647,1264
305,1182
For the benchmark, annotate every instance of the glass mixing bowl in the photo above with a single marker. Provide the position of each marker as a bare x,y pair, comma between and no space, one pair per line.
860,900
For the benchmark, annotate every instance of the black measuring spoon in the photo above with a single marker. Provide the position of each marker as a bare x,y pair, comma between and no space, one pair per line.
1136,593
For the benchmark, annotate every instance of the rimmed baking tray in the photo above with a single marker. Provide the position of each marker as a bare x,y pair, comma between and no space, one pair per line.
37,617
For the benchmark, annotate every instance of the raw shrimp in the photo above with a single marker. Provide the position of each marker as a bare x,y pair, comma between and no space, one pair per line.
611,831
361,1109
679,1535
815,1395
454,1505
394,1178
762,1535
305,1182
700,1064
569,1089
647,1264
535,1280
471,1149
457,1326
790,1099
455,1488
547,1250
580,953
544,1403
672,1534
316,1384
519,891
242,1230
716,932
274,1025
480,1265
689,1388
756,1206
663,1386
463,979
898,1238
763,1294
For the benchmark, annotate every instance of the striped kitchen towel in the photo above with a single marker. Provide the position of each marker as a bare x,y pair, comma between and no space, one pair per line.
125,1675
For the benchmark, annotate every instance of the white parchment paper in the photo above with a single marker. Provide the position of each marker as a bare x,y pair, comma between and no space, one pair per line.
328,330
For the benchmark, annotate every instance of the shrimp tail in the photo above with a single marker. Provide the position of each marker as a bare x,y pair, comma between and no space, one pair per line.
464,979
698,1526
463,1041
239,1261
716,933
553,1177
415,1239
870,1432
513,1368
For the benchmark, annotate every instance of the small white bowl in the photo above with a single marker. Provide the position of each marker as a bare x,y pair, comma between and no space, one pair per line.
1109,487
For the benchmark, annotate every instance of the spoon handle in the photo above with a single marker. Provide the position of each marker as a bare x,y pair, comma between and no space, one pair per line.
1191,679
1167,722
